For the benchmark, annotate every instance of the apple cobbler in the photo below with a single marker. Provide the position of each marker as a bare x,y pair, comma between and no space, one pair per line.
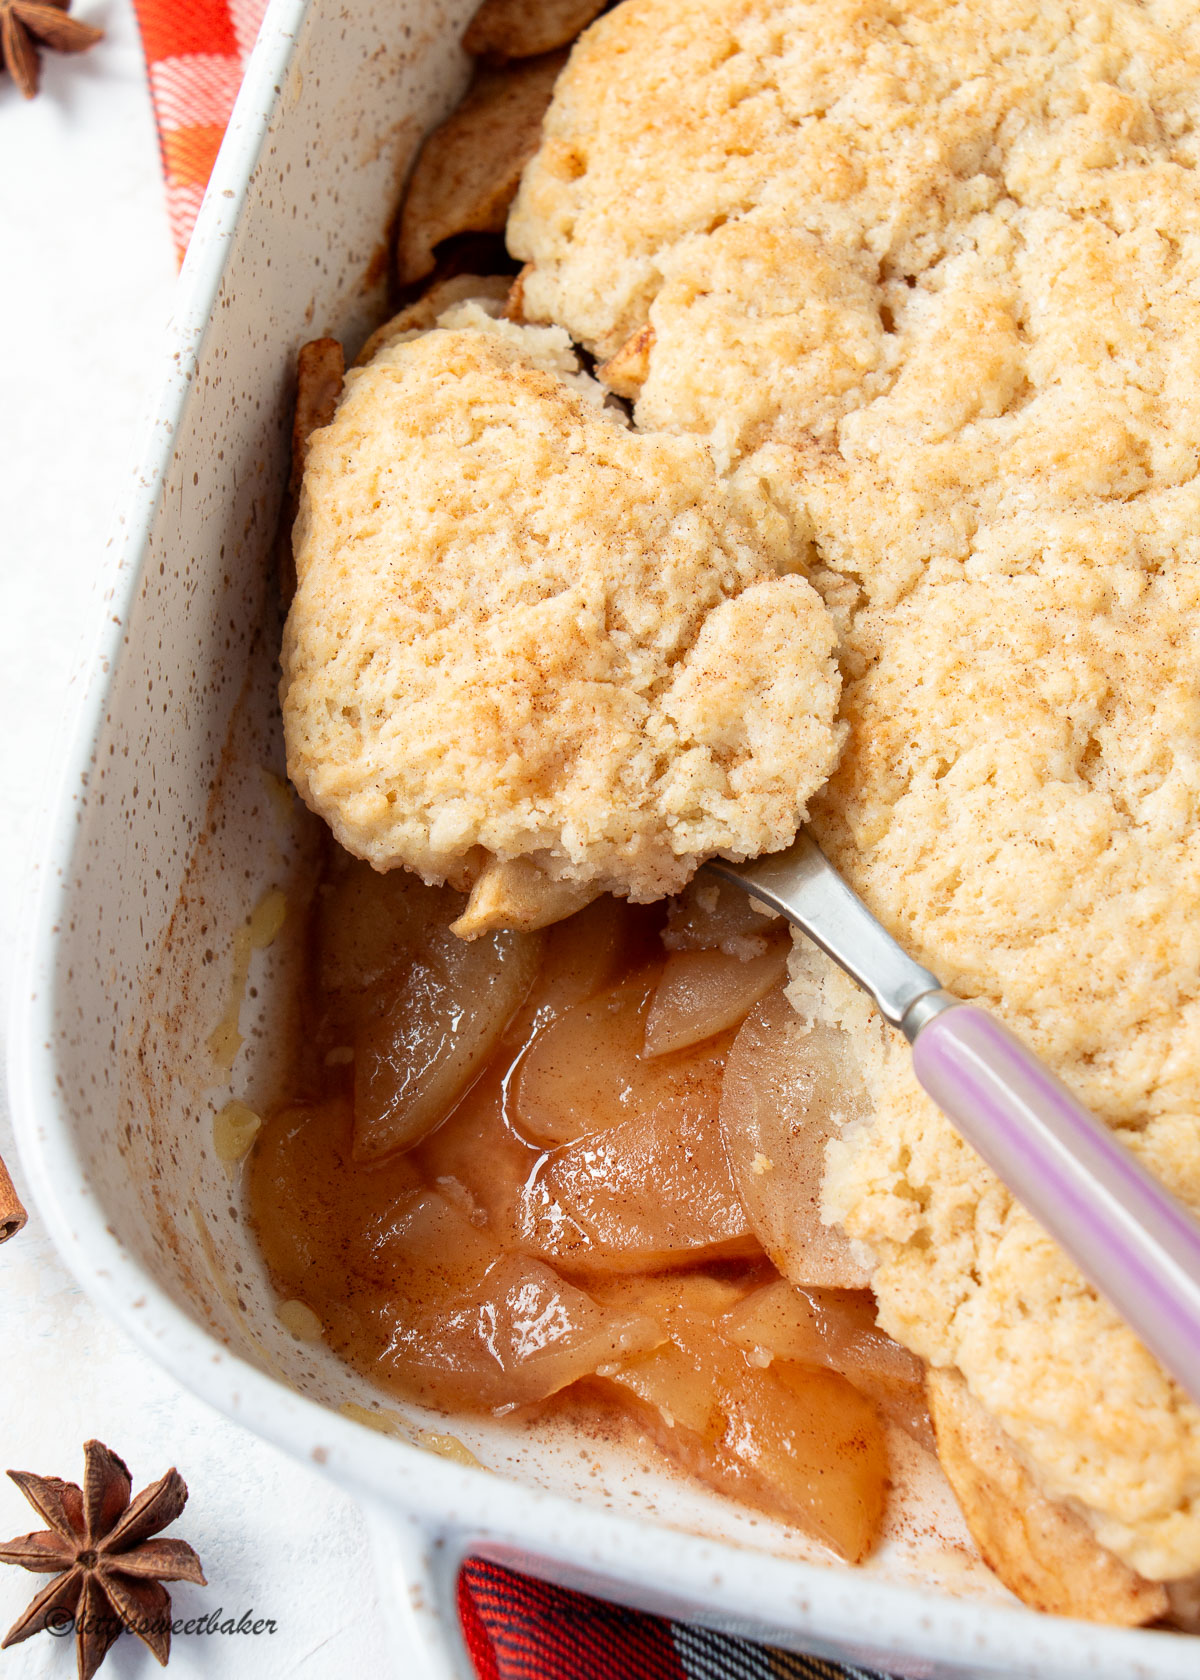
832,458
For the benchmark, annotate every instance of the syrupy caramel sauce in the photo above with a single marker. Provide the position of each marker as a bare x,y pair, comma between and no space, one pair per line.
655,1231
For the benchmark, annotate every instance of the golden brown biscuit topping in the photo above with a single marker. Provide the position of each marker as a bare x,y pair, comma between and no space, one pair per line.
522,631
947,256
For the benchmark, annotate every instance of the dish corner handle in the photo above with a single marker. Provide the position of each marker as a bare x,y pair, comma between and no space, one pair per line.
418,1568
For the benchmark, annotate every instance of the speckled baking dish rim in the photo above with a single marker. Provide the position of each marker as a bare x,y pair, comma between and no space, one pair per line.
288,236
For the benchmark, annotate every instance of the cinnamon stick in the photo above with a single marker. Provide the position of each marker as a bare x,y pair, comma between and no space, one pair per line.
12,1214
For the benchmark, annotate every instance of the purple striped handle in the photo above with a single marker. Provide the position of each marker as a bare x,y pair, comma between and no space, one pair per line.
1124,1231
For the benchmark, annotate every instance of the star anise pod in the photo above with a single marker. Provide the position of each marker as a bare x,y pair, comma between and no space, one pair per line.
26,26
108,1572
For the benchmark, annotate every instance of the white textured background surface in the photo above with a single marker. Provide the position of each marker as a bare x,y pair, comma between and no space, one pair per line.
86,279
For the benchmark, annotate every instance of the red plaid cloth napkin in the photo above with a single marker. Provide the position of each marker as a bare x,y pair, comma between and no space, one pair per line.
196,51
516,1628
521,1629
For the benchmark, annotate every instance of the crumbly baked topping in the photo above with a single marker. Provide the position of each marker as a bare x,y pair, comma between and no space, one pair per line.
521,630
944,261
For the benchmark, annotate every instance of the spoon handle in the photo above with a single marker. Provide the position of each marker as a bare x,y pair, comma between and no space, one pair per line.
1123,1229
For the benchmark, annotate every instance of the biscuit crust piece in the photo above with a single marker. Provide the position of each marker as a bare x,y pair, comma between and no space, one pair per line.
1043,1552
423,312
944,257
522,631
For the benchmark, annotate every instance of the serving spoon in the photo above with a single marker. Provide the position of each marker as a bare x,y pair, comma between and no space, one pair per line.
1122,1228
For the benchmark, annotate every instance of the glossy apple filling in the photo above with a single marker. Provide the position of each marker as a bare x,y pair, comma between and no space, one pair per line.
589,1156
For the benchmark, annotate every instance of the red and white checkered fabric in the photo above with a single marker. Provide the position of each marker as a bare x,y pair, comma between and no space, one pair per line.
196,51
520,1629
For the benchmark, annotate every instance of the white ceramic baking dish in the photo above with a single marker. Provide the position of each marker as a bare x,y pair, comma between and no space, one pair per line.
167,833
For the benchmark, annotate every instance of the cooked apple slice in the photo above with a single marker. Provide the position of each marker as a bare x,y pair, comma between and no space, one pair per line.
797,1441
710,915
639,1179
789,1086
464,1325
517,28
520,1335
321,1219
424,1009
702,993
584,1072
653,1193
320,370
468,170
369,924
823,1451
478,1160
677,1297
618,1052
409,1287
650,1192
419,1045
627,371
836,1327
582,955
515,893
